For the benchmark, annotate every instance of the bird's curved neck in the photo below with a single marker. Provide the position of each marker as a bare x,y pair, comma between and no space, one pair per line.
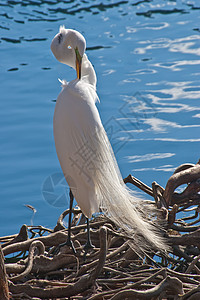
87,72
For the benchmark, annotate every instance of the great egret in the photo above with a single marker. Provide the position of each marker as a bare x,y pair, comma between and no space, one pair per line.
85,154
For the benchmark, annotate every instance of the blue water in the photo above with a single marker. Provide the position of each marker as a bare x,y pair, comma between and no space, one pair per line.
147,59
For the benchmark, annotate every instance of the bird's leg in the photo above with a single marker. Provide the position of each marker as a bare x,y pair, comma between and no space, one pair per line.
69,241
88,244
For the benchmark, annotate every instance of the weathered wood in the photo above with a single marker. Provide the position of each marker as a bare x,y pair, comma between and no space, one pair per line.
112,270
183,177
4,291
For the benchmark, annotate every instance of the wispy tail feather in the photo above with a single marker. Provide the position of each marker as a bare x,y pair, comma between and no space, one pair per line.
117,201
130,213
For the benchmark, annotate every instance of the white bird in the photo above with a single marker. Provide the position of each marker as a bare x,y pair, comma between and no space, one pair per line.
85,154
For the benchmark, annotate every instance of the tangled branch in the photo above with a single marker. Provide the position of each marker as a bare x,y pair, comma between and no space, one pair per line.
111,270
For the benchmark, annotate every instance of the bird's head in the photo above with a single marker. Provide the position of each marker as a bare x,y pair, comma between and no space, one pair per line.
68,47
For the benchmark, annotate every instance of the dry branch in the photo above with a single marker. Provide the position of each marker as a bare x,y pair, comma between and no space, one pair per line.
185,176
85,282
167,283
4,292
112,270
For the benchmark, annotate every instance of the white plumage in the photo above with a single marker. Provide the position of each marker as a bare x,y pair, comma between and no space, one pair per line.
85,154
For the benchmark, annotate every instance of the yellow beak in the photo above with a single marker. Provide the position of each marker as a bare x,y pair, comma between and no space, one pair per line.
78,63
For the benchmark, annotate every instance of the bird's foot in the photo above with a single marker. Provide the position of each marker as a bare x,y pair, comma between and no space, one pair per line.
68,243
87,247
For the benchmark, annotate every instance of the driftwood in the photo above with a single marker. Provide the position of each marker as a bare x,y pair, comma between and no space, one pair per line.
4,292
111,270
185,174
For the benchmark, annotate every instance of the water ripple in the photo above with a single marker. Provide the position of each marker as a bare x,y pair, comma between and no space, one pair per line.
160,125
100,7
182,45
148,157
16,41
175,90
175,66
165,168
147,26
149,13
166,140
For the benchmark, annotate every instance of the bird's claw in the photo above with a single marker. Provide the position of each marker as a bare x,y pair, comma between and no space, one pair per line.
68,243
87,247
71,244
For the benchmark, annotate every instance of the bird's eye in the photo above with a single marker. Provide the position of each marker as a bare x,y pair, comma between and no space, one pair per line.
69,47
60,37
